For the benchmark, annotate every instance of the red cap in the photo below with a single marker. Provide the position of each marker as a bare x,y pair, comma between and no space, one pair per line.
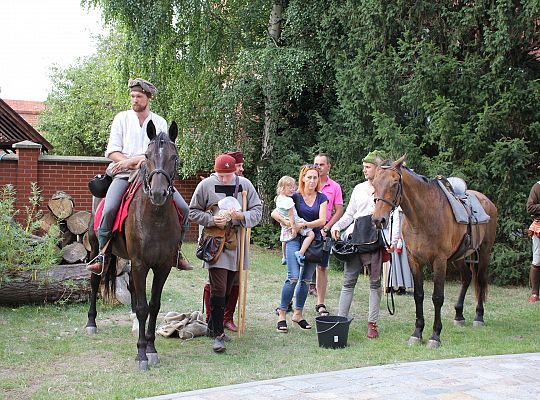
225,164
238,156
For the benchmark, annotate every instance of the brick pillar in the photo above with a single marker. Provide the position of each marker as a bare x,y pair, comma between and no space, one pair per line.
27,172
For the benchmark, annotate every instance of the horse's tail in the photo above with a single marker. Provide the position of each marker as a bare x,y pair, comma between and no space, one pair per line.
480,281
109,280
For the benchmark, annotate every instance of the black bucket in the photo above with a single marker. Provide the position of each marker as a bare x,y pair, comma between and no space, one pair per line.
332,331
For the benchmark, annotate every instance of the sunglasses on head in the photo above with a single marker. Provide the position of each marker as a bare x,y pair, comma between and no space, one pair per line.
311,166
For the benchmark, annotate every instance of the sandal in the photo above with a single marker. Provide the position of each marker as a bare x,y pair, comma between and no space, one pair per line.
321,310
282,327
303,324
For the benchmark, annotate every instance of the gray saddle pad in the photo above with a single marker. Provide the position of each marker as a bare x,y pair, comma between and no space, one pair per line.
469,205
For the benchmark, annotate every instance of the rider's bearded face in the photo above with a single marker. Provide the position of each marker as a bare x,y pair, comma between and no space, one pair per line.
139,101
369,171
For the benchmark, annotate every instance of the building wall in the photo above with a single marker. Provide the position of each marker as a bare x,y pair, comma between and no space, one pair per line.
63,173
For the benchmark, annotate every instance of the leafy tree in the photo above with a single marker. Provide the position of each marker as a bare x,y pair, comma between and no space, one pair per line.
452,84
84,99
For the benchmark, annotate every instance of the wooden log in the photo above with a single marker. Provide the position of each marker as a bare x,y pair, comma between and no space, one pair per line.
74,252
86,242
61,205
47,221
67,238
78,222
69,283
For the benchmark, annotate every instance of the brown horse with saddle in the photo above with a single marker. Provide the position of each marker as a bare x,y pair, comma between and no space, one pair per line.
434,237
148,238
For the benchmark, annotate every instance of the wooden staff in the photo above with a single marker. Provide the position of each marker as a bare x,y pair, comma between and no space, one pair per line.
248,241
242,290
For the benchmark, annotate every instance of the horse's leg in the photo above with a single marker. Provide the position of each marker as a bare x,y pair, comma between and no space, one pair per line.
466,275
133,314
139,274
91,327
439,276
418,278
160,276
480,279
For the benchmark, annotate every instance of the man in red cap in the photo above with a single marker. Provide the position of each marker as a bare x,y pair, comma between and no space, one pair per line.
203,210
233,297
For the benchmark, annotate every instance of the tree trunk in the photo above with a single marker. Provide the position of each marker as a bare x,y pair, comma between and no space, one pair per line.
274,33
62,282
74,252
77,223
61,205
47,221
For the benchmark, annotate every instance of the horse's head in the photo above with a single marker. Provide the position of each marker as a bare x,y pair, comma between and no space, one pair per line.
388,187
161,162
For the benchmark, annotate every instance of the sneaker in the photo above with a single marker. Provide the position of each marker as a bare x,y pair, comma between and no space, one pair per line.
230,325
533,298
219,344
300,258
283,261
372,332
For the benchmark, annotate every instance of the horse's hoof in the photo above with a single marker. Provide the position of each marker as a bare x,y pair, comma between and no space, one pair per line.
459,322
478,324
91,330
153,359
413,340
433,344
142,365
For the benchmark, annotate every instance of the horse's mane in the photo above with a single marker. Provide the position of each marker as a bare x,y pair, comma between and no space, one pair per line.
388,163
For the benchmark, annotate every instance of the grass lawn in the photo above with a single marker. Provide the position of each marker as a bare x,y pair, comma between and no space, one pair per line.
45,353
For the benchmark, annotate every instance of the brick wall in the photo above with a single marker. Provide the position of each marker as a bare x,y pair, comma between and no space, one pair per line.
65,173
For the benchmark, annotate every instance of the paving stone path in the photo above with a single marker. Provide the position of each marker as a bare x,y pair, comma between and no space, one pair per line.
503,377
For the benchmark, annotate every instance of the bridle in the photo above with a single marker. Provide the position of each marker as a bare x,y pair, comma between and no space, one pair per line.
399,193
147,177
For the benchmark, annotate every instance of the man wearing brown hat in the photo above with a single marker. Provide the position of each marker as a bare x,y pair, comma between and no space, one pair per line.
128,142
222,274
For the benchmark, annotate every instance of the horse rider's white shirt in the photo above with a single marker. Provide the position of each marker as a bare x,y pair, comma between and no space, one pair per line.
128,137
361,204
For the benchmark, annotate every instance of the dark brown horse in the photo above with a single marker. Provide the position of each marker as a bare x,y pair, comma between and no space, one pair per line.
432,236
150,239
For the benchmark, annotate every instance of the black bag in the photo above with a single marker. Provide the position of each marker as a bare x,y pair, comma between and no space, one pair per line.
211,244
99,185
314,252
365,236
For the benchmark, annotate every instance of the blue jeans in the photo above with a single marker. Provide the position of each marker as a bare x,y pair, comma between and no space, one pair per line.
297,282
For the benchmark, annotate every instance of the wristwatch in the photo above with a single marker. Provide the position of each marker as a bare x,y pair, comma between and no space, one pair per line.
326,230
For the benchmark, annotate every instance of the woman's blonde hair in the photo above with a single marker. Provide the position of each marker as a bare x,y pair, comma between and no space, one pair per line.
303,172
284,181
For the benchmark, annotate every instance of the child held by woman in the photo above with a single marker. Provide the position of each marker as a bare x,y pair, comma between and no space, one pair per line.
285,206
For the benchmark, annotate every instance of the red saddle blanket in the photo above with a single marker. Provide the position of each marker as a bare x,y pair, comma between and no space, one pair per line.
122,213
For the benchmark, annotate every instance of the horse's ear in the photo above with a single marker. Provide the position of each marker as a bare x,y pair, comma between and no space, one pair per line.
173,131
151,130
399,163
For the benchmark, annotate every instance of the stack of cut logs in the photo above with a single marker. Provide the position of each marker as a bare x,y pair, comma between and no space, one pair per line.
73,227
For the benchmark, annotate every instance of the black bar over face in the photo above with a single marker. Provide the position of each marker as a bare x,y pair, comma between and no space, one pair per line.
228,189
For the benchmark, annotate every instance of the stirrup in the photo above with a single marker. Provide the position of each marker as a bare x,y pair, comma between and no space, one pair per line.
92,265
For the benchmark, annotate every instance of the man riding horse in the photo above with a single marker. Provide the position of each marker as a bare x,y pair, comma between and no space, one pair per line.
128,142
